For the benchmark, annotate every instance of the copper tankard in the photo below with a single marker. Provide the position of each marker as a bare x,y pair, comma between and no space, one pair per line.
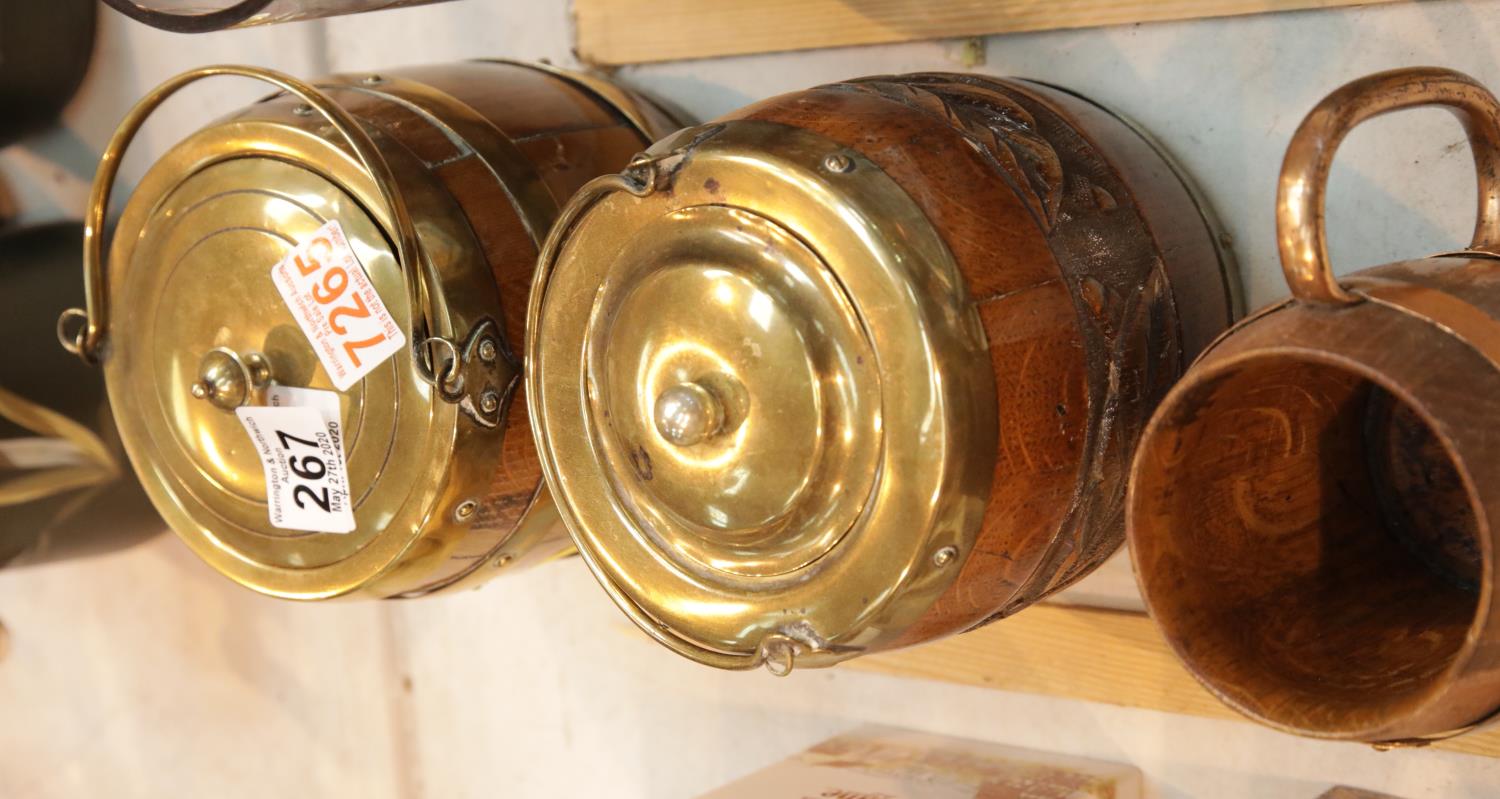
1312,507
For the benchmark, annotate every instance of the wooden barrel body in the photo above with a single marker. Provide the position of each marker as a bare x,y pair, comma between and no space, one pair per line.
1096,280
543,134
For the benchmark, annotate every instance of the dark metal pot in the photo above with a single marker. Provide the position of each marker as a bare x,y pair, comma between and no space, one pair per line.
202,16
65,489
44,52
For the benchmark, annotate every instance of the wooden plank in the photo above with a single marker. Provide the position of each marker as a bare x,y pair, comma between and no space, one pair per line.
1096,655
637,31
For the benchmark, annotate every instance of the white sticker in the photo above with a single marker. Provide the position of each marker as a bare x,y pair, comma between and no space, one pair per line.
337,307
301,446
326,403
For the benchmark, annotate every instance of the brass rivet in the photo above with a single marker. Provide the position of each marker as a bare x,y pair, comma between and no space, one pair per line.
487,351
373,80
838,162
503,561
944,556
303,110
688,414
489,401
465,510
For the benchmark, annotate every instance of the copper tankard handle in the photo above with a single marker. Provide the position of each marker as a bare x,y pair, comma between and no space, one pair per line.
1300,229
88,340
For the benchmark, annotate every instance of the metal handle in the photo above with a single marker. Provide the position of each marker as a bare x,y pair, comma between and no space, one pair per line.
1300,228
417,271
190,22
99,466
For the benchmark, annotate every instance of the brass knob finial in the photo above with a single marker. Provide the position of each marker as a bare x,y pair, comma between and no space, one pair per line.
227,380
688,414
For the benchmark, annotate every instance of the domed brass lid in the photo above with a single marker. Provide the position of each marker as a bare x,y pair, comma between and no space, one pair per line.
196,329
761,395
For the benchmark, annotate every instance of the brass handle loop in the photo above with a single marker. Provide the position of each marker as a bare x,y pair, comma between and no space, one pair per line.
1300,229
88,340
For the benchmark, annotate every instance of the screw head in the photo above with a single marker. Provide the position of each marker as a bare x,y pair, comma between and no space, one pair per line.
838,162
944,556
373,80
503,561
465,510
489,402
303,110
487,351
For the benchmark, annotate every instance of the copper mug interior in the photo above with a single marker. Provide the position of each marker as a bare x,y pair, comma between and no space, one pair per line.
1331,571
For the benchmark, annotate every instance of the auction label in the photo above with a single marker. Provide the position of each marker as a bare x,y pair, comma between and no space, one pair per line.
326,289
301,447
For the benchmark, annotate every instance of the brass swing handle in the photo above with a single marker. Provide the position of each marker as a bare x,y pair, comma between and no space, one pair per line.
1300,230
88,340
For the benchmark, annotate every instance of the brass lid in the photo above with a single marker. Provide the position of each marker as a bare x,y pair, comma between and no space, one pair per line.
761,395
196,327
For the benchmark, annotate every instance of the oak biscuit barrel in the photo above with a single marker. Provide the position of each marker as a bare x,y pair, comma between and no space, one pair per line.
1312,509
443,180
863,365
